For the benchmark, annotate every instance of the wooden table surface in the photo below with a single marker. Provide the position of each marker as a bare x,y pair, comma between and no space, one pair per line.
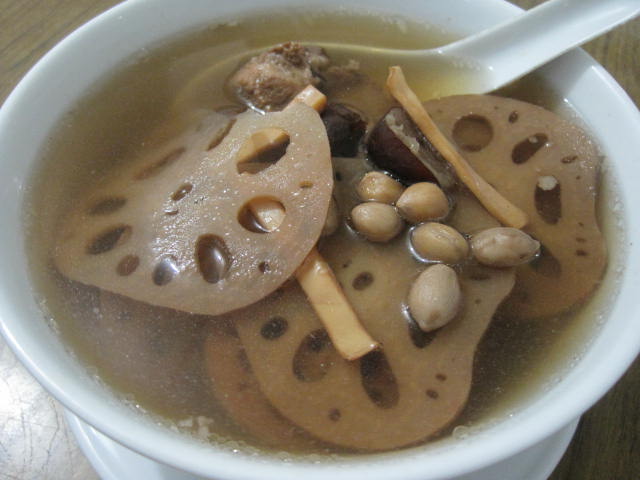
34,440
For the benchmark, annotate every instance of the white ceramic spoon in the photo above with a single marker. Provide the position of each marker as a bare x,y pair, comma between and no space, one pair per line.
499,55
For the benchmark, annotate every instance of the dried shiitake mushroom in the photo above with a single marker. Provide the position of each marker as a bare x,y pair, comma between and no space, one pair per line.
396,145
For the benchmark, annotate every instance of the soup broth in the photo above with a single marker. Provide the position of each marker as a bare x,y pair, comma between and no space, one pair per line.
154,357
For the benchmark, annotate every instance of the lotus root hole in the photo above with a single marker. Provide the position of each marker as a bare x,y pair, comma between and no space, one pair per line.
109,239
127,265
165,270
472,133
314,357
213,258
432,394
378,380
362,281
107,205
220,135
548,199
272,214
155,167
546,264
528,147
274,328
182,191
334,414
264,267
262,150
513,117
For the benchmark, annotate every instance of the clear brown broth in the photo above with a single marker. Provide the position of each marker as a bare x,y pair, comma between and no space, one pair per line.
113,122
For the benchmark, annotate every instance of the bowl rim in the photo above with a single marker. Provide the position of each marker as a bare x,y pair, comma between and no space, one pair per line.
202,460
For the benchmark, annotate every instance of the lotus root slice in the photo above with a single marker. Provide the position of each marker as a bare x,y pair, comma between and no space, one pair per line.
411,389
237,390
171,228
549,168
390,398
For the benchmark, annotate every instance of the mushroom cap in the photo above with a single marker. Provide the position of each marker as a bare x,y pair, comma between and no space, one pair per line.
168,229
549,168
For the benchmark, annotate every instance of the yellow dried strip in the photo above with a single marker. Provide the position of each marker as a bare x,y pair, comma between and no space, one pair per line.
324,292
269,138
327,298
312,97
502,209
315,276
269,213
261,141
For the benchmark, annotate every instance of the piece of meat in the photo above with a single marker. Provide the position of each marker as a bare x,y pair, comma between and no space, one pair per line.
270,80
343,76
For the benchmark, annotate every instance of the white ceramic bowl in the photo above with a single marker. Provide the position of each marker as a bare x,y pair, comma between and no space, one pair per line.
84,57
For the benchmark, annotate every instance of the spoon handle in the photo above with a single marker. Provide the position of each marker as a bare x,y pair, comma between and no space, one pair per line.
531,39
